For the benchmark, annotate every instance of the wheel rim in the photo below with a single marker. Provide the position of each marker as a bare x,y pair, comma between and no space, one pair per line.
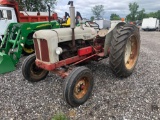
131,52
81,88
36,71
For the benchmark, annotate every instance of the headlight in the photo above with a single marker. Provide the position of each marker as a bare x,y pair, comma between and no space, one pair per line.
59,50
22,44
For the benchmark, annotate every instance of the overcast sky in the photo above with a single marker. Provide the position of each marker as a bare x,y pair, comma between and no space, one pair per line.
119,7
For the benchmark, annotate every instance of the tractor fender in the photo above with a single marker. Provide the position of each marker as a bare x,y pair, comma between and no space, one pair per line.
110,35
51,38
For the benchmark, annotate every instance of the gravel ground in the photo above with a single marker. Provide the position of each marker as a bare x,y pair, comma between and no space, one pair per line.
134,98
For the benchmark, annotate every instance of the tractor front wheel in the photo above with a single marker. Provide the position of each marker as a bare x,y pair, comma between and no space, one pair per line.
124,50
31,72
78,86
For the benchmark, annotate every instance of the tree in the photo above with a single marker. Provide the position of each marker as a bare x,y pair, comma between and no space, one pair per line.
114,17
133,7
50,2
98,10
92,18
141,14
152,14
20,5
158,14
33,5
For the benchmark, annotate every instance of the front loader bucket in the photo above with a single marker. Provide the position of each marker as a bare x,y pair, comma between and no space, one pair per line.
6,64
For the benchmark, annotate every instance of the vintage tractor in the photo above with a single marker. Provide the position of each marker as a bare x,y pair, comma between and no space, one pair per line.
62,50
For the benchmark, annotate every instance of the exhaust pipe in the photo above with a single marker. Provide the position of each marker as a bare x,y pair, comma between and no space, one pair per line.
72,17
49,10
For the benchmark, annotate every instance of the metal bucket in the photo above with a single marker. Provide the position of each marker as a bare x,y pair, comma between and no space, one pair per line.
6,64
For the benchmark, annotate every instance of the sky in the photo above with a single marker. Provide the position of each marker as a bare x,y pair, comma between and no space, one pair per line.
120,7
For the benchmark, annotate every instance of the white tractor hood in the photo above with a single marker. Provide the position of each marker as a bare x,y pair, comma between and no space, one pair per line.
65,34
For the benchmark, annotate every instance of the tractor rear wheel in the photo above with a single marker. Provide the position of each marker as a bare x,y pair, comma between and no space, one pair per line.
31,72
124,50
78,86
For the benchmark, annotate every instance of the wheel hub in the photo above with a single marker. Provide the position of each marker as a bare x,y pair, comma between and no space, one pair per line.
81,88
35,70
131,52
128,51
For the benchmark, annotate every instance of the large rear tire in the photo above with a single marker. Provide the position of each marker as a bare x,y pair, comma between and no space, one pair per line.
31,72
124,50
78,86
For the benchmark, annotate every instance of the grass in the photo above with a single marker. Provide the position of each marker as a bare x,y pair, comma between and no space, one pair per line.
59,116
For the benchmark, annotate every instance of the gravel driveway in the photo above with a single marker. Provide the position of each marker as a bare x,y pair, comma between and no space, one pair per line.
134,98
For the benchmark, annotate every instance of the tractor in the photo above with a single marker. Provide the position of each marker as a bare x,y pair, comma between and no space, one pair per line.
63,52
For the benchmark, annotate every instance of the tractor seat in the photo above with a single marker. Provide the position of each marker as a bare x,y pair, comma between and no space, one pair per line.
102,32
67,24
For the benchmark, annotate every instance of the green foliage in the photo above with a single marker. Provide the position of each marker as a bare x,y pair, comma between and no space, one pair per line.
92,18
114,17
158,14
152,14
98,10
33,5
133,7
139,15
59,116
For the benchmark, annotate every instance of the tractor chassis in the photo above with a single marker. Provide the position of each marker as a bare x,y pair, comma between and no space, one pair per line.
67,65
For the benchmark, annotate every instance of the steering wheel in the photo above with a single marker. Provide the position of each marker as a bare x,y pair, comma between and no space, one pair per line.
60,20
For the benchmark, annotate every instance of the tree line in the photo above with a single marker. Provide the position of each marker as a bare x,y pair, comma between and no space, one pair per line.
98,10
139,15
133,16
35,5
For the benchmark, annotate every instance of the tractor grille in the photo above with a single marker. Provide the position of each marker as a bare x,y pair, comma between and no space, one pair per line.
42,53
36,48
44,50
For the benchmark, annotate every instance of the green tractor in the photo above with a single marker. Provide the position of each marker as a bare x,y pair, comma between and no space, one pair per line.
17,40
